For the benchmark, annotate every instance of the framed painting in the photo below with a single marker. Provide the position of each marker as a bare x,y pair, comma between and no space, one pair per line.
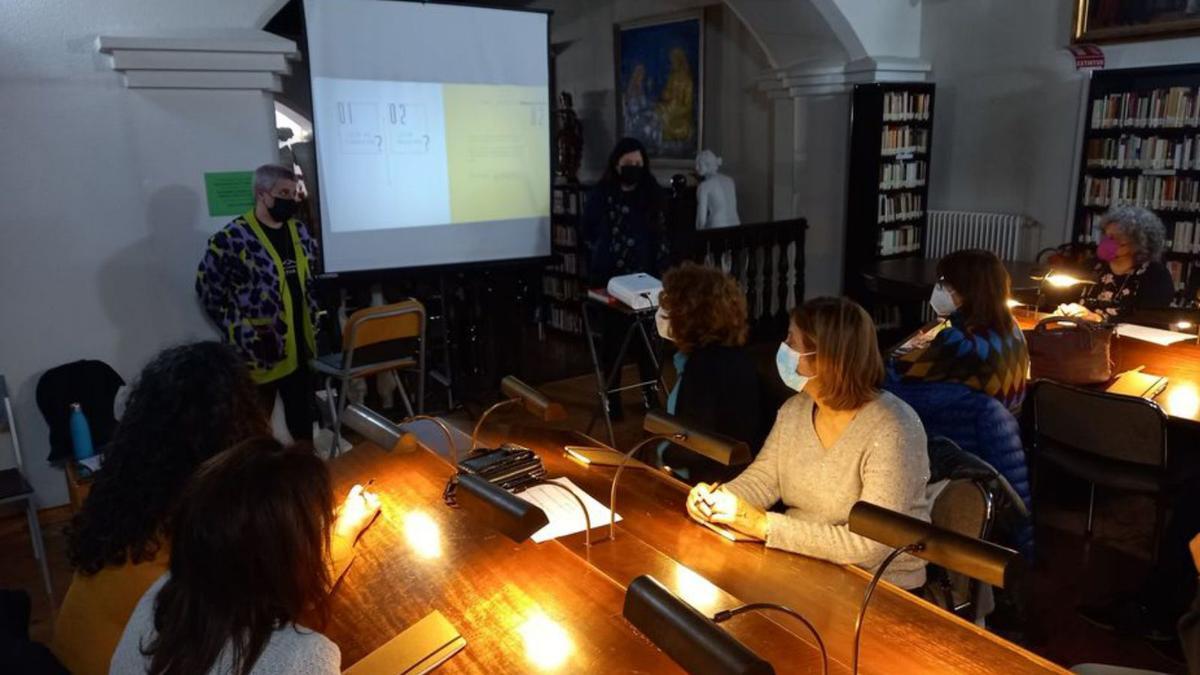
660,83
1127,20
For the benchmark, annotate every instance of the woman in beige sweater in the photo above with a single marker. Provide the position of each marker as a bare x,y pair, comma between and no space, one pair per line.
839,441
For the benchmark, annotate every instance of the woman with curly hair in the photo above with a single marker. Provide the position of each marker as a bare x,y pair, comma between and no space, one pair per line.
703,311
189,403
1129,273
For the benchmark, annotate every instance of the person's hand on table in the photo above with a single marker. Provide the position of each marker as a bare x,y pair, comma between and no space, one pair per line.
697,507
355,513
1078,311
723,507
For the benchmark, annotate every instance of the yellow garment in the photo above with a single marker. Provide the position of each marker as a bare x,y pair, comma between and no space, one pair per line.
677,100
95,611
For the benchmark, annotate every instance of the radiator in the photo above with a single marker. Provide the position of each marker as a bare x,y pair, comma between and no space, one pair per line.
1005,234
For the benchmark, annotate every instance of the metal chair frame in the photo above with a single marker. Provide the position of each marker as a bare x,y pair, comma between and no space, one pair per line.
27,494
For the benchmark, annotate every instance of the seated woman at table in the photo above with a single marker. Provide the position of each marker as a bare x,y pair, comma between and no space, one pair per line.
840,441
248,561
189,403
1128,272
702,310
979,344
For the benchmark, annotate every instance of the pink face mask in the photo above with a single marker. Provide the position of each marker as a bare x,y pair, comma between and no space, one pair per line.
1107,250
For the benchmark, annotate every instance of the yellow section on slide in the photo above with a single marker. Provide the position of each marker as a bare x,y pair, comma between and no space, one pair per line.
498,151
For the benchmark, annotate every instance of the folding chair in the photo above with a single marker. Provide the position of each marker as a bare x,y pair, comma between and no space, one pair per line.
14,488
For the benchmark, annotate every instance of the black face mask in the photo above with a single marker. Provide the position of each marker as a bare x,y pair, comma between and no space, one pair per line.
283,209
631,174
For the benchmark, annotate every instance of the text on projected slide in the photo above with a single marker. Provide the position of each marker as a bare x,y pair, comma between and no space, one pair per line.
414,154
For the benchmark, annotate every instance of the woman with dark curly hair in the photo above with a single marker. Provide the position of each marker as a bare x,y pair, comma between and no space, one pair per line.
703,311
189,403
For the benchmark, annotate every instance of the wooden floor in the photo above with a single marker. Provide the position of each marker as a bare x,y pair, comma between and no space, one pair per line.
1070,571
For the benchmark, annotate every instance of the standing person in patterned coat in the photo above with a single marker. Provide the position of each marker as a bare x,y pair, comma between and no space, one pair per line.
256,284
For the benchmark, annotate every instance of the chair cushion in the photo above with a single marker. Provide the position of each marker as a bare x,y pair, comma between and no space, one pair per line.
13,484
1104,472
331,364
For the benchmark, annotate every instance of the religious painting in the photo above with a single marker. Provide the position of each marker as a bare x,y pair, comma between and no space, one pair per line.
1123,20
659,69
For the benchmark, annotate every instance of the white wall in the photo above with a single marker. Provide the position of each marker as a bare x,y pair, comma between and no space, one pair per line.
104,217
737,115
1008,104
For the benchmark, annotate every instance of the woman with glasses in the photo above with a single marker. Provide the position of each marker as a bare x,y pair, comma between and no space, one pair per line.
978,344
1128,271
841,440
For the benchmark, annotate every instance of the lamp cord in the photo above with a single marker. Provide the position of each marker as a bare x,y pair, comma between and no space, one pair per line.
612,497
587,518
445,430
484,416
862,611
725,615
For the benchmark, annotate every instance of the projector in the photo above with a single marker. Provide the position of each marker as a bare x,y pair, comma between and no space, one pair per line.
639,291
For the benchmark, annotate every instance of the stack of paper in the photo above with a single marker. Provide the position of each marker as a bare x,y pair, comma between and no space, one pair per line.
1155,335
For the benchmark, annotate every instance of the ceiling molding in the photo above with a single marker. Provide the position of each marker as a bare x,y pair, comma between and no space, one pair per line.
245,60
818,78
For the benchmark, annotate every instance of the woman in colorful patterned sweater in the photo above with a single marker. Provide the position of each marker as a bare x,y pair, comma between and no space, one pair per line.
979,344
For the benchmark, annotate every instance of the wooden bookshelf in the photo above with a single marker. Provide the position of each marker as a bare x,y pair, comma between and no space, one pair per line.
1141,146
891,134
564,283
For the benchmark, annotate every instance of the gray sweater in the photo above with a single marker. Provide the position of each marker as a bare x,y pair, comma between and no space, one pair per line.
880,458
291,649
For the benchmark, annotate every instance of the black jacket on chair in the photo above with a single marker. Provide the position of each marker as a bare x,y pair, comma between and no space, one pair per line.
720,391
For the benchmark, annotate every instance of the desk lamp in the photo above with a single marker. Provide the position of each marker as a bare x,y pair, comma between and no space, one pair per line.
387,434
512,516
531,399
1057,280
666,427
975,558
691,639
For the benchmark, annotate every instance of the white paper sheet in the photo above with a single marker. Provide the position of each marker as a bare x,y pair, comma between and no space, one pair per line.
563,512
1155,335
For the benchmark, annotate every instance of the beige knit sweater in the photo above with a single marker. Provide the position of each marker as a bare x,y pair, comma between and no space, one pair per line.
880,458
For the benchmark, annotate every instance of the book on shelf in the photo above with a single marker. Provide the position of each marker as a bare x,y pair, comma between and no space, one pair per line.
903,140
904,239
1174,107
903,106
566,319
1148,153
896,175
899,207
1173,193
563,235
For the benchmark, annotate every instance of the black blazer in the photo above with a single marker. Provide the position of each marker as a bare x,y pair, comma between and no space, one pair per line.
720,391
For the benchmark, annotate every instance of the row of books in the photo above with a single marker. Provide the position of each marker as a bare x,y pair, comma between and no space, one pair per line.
902,175
561,288
901,106
1155,192
1181,273
900,240
563,235
569,265
1161,108
1136,152
1185,238
566,319
897,207
565,202
903,140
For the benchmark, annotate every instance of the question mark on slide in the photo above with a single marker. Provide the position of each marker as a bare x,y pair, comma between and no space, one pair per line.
403,112
426,142
378,142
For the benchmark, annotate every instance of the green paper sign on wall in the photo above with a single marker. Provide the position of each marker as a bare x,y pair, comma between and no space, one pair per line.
229,193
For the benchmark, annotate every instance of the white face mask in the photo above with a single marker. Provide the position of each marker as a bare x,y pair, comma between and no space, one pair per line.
787,361
941,301
663,323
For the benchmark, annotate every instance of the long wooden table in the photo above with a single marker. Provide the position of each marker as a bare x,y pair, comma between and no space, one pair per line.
422,556
1179,362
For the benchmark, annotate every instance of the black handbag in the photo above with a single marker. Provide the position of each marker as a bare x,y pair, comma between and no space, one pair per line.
1070,351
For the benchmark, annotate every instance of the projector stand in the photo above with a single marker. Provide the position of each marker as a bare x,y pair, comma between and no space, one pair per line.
612,384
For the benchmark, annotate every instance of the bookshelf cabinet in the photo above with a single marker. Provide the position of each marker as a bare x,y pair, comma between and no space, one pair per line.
1141,146
564,282
891,129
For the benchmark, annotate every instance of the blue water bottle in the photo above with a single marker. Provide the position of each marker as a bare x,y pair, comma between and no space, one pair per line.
81,434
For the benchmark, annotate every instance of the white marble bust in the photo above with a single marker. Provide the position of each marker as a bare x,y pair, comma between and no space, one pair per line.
716,197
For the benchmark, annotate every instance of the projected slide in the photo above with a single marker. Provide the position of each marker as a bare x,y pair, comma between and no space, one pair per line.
432,130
